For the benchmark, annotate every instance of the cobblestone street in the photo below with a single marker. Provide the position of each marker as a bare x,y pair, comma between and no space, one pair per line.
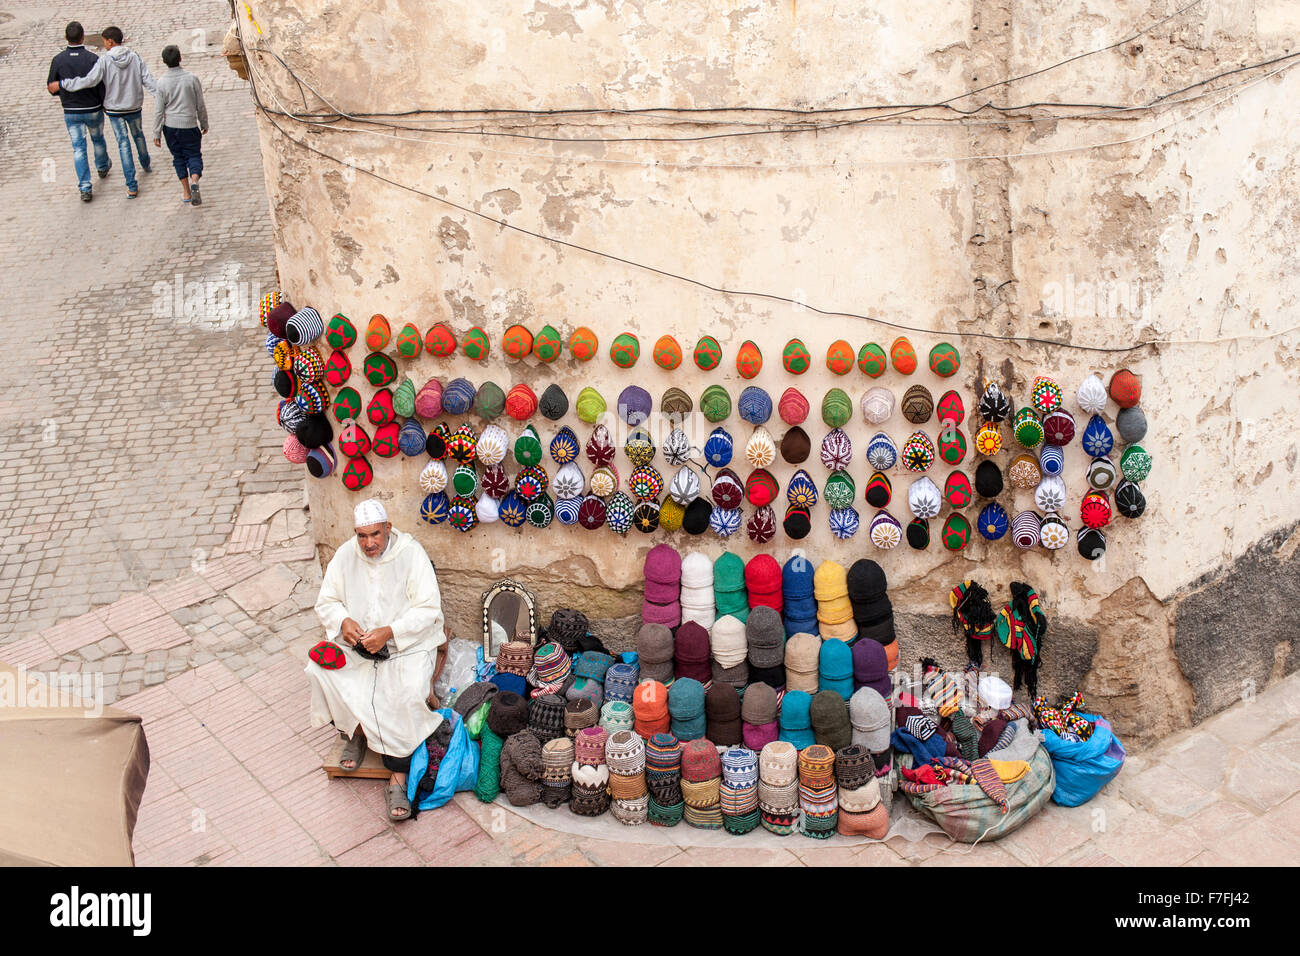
152,532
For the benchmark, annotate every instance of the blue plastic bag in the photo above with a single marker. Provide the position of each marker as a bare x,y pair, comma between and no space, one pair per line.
458,770
1084,767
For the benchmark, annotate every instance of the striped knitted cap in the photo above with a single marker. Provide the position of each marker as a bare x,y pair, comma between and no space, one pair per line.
700,762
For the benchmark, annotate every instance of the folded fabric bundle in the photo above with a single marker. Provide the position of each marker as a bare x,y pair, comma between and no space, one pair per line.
593,665
830,582
579,714
835,668
589,746
871,666
584,689
722,713
727,641
829,714
616,715
620,681
515,657
773,677
764,638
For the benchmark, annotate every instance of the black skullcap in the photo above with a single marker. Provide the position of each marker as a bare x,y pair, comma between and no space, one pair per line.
988,479
554,404
918,532
1129,500
796,524
696,518
314,431
1092,543
866,580
508,714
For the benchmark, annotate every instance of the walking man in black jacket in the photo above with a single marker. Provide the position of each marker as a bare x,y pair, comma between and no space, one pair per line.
83,111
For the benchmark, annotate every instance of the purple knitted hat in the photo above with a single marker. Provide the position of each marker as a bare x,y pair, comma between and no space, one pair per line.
669,615
871,666
663,565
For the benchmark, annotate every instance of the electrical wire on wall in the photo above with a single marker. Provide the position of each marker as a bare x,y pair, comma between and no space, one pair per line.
1288,61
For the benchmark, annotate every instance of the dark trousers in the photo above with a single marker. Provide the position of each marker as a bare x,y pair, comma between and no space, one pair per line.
396,764
187,150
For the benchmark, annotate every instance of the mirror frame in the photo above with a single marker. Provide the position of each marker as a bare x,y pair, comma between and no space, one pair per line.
503,586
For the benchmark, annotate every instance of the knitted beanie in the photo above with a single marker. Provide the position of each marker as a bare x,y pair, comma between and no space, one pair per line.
830,581
765,638
829,714
854,769
546,717
508,714
796,720
728,573
700,761
593,665
762,575
521,768
773,677
663,565
567,626
871,666
759,705
654,644
722,712
727,641
803,653
866,580
686,698
553,404
691,653
835,668
579,714
870,718
650,708
620,681
736,676
589,746
696,571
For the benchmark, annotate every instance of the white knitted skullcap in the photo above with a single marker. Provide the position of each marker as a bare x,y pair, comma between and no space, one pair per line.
760,449
369,512
923,498
727,641
434,477
877,404
492,445
697,570
1092,395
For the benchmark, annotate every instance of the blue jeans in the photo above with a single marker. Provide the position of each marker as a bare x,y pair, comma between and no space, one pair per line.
125,129
187,150
81,125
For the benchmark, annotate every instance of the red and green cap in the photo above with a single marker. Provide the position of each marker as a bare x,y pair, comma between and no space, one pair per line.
385,443
380,409
708,353
440,341
957,490
337,368
379,369
547,344
956,531
872,360
945,359
477,345
347,404
409,341
357,474
625,350
951,407
795,357
340,333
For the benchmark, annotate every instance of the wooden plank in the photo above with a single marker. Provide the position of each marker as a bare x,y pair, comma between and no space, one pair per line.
372,767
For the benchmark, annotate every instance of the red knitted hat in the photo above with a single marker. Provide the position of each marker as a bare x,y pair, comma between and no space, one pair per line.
521,402
700,761
691,645
763,575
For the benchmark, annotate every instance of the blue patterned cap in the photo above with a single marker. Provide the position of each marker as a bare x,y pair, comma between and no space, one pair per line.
718,447
801,491
566,510
993,521
1097,438
882,453
618,512
844,523
754,405
434,508
513,510
1051,460
725,521
564,446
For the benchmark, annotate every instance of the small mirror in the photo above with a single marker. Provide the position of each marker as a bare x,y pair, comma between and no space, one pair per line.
508,615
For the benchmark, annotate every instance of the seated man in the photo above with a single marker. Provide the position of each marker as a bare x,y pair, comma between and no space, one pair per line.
379,591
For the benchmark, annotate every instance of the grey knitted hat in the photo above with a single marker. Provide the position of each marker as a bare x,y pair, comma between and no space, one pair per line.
869,715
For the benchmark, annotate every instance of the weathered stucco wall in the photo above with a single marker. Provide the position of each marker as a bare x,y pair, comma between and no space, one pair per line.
1185,228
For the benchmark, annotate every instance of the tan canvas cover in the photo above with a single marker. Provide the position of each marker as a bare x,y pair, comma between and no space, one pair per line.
70,781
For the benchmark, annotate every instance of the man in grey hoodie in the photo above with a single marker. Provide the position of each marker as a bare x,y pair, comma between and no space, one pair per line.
125,77
182,117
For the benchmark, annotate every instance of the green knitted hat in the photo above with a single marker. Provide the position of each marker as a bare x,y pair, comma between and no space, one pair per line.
347,404
409,341
729,573
795,357
839,490
340,333
528,447
476,344
380,369
837,408
547,345
715,403
872,361
625,350
590,405
404,398
488,403
708,353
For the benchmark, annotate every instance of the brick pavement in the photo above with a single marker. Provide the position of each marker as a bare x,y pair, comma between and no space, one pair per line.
151,533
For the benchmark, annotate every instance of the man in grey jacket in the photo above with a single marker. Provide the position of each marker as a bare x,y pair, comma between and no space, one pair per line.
125,77
181,116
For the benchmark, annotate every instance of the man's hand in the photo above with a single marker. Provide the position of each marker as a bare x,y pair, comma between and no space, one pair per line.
374,640
54,86
203,132
350,631
157,141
